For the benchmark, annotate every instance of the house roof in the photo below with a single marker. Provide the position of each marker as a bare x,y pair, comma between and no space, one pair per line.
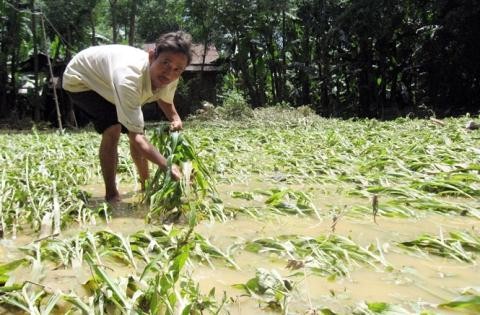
27,65
198,50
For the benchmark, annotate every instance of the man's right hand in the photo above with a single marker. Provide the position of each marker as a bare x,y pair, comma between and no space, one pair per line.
176,173
176,125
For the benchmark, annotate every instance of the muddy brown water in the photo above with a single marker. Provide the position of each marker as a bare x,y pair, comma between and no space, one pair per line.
415,280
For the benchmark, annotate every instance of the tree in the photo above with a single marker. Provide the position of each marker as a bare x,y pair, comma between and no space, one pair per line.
156,17
72,21
15,36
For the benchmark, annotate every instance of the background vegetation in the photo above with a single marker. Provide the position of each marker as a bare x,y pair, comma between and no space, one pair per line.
364,58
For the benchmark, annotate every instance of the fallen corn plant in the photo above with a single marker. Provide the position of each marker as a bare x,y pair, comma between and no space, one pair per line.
269,288
460,246
31,300
378,308
41,174
163,291
289,201
5,270
156,290
142,245
468,302
407,202
282,201
405,160
408,208
324,255
160,288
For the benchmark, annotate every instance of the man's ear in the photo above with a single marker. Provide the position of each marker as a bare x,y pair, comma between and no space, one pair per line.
151,55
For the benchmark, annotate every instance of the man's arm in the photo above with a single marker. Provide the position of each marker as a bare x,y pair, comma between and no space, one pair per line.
147,150
171,114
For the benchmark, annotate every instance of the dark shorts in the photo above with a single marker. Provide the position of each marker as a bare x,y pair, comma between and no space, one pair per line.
101,112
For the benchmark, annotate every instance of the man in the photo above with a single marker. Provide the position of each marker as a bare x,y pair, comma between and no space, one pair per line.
110,84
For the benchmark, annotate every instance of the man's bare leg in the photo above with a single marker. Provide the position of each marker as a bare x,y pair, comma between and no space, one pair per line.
109,161
141,163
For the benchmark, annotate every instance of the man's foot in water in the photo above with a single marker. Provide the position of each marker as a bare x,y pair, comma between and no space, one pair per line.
113,200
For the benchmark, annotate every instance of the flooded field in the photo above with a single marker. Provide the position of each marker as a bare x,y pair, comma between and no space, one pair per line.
351,225
413,280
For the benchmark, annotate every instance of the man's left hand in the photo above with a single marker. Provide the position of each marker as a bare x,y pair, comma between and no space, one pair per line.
176,125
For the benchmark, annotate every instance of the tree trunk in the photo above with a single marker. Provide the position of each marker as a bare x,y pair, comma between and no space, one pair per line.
68,52
243,65
131,24
273,80
259,92
35,99
324,83
3,73
283,69
276,76
92,26
113,12
323,64
204,57
304,77
13,61
364,89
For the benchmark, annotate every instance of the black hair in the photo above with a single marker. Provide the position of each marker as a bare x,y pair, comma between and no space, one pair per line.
175,42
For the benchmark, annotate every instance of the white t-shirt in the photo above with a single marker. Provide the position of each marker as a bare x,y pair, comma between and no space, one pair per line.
120,74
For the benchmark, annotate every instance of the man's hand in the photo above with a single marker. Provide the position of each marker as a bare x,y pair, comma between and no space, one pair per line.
171,113
176,125
176,172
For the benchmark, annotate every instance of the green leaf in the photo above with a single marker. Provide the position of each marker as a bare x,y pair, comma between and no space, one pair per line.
52,301
469,302
122,298
377,307
14,287
327,311
9,267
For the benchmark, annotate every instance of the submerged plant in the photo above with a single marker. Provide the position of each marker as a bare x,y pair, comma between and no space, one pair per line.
289,201
5,270
156,291
128,250
31,300
159,288
406,202
468,301
165,195
460,246
379,308
325,255
270,288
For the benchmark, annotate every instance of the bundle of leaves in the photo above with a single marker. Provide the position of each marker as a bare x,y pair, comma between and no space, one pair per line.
169,198
268,287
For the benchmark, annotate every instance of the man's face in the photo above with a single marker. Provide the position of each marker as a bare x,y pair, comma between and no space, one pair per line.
166,68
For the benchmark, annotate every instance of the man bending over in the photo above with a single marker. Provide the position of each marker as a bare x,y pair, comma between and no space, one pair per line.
110,84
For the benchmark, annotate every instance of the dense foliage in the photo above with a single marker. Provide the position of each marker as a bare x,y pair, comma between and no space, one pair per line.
368,58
